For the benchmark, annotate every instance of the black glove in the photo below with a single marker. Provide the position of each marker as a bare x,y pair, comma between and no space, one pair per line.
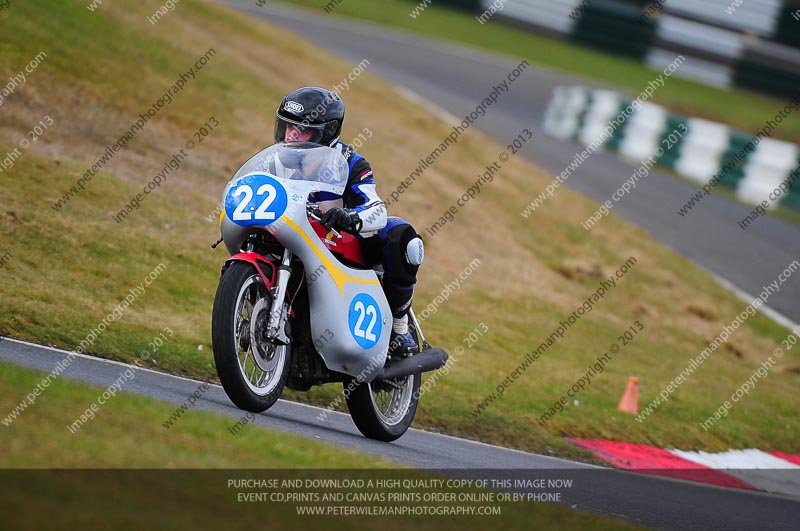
342,219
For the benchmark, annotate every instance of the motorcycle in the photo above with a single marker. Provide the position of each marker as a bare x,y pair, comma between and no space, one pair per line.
298,305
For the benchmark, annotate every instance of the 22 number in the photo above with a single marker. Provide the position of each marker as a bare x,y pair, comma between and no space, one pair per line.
363,312
261,213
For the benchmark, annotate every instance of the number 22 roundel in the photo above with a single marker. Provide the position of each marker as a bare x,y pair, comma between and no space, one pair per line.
365,321
255,200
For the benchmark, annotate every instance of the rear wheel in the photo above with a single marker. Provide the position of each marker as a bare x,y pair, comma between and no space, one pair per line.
383,410
252,370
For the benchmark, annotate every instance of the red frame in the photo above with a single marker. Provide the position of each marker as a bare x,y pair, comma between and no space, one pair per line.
254,259
348,247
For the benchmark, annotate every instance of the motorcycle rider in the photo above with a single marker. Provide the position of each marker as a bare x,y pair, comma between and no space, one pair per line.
314,114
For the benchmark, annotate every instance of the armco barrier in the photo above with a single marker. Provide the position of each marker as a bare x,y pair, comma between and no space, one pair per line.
788,31
581,114
615,28
471,5
766,78
758,17
752,46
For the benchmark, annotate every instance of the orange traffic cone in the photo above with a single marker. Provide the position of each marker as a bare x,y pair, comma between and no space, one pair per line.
629,403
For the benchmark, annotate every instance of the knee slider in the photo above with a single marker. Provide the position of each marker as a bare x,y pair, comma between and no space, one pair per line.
415,251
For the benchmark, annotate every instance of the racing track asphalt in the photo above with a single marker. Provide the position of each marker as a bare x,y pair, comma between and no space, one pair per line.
650,501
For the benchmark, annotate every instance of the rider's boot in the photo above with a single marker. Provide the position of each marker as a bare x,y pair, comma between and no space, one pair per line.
401,342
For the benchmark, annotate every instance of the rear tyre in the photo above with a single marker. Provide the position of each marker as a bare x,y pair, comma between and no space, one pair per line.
384,410
252,371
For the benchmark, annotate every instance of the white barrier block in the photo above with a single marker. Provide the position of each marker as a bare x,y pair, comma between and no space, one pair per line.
563,111
693,68
702,149
700,36
605,107
643,132
549,14
768,166
758,16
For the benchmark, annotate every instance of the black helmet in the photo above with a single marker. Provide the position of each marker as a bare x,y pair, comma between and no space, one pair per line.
314,109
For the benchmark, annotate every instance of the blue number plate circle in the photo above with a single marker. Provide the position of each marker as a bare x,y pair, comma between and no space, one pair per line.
256,199
364,318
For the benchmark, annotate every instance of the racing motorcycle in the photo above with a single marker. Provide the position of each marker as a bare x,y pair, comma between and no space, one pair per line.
298,305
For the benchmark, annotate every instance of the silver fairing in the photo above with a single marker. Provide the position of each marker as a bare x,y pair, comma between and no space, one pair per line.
349,312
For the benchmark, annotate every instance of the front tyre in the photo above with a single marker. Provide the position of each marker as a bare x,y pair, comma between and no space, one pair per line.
384,410
252,371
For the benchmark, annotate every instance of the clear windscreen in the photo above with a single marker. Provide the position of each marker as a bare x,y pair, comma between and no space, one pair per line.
301,161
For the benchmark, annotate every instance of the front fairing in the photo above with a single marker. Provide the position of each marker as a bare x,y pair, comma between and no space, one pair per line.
263,188
349,312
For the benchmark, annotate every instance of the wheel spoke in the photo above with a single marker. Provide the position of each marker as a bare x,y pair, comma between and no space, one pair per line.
243,363
253,372
252,307
380,399
391,401
242,354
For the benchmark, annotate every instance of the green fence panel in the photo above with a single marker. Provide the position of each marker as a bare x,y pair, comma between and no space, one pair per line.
671,155
470,5
616,28
775,80
792,199
788,30
736,143
618,135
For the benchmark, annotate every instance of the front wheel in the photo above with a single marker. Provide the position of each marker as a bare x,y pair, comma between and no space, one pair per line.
252,370
384,410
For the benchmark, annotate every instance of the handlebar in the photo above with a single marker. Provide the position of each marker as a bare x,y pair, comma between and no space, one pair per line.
314,212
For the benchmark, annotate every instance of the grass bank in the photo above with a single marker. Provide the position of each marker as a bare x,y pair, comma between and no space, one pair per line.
127,433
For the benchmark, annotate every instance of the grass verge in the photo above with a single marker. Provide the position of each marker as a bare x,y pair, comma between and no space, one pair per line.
126,433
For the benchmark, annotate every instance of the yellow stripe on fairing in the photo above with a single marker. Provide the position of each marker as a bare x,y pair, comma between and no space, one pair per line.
339,276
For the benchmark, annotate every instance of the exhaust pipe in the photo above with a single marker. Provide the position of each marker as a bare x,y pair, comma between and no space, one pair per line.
428,360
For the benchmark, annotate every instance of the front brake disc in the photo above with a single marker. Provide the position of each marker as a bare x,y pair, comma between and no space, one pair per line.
264,352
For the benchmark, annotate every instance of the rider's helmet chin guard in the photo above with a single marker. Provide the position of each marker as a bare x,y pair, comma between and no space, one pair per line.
312,109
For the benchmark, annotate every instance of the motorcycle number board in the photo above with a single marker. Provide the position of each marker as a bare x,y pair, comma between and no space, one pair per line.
255,199
364,318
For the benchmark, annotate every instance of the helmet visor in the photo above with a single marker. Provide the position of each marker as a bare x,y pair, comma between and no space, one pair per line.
287,130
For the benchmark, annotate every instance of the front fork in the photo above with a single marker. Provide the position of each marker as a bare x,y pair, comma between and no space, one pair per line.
279,311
